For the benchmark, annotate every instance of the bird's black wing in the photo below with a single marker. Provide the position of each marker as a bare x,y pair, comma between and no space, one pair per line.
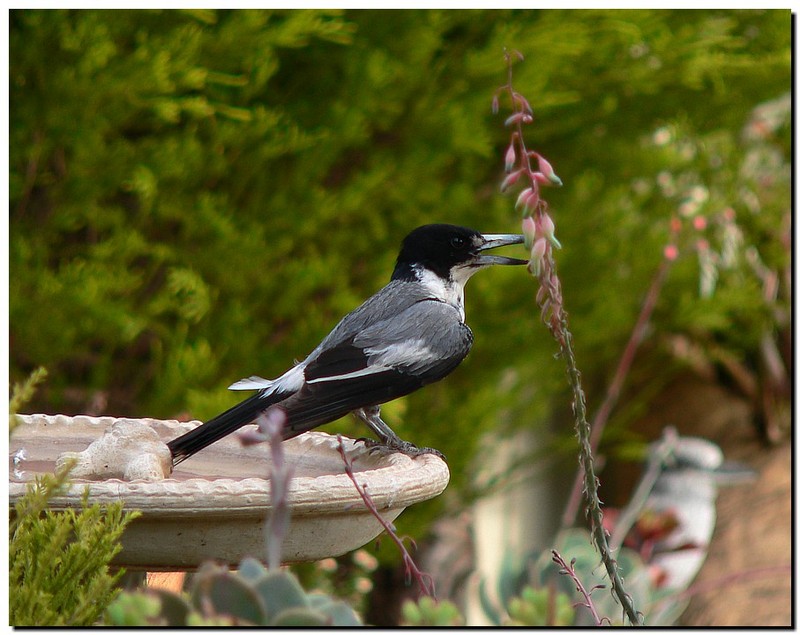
389,359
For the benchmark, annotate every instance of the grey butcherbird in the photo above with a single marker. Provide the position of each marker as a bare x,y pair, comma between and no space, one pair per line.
409,334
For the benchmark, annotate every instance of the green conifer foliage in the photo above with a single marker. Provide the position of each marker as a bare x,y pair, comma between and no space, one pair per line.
59,560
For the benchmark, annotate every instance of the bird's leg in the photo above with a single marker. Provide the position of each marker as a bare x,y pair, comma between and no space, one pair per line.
389,441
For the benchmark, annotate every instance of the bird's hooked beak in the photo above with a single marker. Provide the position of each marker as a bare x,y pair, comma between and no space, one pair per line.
499,240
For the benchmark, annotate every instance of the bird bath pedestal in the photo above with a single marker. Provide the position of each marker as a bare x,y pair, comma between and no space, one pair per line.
215,505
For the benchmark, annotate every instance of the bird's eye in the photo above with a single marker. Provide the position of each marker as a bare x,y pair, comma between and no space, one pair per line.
458,242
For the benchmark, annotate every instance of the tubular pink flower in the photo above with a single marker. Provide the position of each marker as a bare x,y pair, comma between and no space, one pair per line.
495,104
539,248
547,229
537,256
524,104
511,157
510,180
517,117
531,202
522,199
541,179
547,170
529,231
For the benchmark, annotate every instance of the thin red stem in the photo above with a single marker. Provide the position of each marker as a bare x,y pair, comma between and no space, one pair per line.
423,579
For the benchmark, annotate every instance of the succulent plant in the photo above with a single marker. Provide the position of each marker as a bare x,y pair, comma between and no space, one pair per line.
544,606
219,597
135,609
428,612
524,583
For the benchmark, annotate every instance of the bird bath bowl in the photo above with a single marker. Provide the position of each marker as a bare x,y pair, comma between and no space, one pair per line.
215,505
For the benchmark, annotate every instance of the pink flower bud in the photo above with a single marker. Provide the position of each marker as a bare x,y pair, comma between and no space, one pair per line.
522,199
517,117
699,223
529,231
675,224
537,256
539,248
531,202
495,105
510,180
702,245
547,229
547,170
670,252
546,226
511,157
523,103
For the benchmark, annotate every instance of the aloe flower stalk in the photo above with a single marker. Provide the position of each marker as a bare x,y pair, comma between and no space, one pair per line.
542,266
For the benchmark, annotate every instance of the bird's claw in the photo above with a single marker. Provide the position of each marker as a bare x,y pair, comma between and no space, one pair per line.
404,447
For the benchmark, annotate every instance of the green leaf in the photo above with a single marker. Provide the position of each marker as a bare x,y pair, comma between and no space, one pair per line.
297,616
175,608
227,594
340,613
280,590
252,570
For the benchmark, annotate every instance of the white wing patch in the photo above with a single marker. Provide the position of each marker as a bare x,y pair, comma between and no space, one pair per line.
405,354
254,382
369,370
408,354
291,381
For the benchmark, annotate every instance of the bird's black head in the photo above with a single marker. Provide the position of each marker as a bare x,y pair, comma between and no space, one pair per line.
446,249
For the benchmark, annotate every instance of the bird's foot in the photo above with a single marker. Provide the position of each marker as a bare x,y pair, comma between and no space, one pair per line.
404,447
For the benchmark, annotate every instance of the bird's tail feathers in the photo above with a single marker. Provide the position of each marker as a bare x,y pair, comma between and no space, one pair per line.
220,426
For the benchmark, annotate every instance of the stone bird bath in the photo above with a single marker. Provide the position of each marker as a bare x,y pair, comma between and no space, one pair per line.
215,505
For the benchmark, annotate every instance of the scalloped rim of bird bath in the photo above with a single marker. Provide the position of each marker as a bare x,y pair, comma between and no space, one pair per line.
213,507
